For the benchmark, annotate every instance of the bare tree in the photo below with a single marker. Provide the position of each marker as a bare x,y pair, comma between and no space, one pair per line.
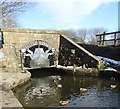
70,34
10,21
92,34
9,11
82,33
75,35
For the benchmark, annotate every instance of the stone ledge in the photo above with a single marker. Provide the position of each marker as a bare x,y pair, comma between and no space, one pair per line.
8,98
15,79
25,30
8,82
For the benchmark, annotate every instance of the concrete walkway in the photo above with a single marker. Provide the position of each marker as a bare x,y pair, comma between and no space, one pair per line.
7,82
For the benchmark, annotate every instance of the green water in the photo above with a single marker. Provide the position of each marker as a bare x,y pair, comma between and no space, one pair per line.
48,91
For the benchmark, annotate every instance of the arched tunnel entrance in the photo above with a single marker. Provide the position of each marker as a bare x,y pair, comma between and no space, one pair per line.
38,54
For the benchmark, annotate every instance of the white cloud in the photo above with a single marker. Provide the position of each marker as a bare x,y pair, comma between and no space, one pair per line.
69,13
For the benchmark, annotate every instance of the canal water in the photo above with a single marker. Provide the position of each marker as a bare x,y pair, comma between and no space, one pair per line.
48,90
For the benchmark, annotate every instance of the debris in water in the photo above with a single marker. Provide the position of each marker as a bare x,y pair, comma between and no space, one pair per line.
42,89
112,78
113,86
63,103
59,85
82,90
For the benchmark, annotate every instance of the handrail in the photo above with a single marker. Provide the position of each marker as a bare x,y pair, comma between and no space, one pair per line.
102,40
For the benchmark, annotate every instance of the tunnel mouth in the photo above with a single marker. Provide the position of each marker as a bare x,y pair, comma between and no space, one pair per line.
27,60
45,54
37,73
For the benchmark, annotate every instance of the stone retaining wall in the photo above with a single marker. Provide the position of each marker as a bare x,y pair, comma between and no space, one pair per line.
71,54
104,51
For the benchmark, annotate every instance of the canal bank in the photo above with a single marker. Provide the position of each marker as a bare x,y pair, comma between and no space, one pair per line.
8,82
105,70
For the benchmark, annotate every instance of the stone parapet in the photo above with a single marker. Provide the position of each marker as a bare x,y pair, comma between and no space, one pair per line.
23,30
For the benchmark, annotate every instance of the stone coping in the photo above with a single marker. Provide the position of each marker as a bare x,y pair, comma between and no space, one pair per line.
7,82
25,30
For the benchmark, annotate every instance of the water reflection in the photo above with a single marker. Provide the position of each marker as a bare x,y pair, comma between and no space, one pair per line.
49,90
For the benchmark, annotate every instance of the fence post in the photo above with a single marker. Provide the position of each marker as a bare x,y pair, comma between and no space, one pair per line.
100,40
103,41
114,39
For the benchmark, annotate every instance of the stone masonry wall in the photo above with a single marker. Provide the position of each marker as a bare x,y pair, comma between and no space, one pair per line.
70,55
15,39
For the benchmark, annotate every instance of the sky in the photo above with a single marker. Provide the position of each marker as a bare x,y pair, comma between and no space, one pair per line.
119,16
71,14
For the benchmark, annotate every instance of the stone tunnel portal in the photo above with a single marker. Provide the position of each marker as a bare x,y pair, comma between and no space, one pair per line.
36,54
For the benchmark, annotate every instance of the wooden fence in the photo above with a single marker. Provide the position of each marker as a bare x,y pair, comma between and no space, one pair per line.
105,38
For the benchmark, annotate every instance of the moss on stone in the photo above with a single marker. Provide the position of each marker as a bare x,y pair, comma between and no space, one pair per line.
101,65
